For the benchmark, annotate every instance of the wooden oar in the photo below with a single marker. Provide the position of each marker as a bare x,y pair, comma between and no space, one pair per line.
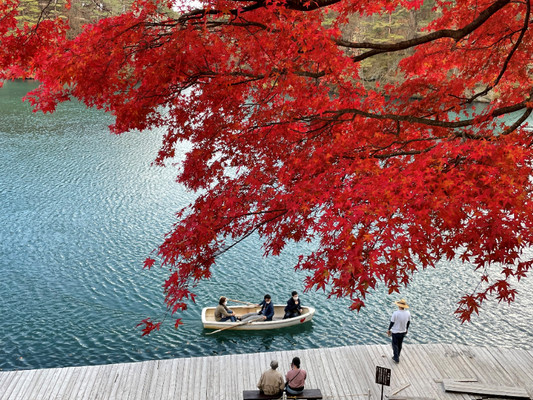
248,320
242,302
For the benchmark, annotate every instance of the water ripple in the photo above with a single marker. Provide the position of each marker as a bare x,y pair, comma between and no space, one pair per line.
80,209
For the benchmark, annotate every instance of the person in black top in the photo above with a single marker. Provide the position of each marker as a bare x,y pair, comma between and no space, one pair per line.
293,307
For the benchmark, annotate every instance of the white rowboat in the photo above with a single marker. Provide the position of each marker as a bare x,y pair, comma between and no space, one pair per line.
208,319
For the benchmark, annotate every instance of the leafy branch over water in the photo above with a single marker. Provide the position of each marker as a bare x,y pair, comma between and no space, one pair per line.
295,139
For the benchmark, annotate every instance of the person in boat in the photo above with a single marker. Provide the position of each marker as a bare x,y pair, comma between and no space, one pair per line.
271,382
266,313
295,378
267,308
293,307
223,313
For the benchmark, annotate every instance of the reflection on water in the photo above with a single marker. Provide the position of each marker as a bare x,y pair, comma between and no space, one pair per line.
80,210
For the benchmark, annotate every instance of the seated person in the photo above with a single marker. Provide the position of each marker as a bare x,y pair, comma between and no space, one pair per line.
293,307
266,313
295,378
271,382
223,313
267,308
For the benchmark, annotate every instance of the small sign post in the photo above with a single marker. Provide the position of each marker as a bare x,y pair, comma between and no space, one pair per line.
382,377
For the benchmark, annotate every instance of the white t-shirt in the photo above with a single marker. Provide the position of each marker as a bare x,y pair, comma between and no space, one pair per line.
400,319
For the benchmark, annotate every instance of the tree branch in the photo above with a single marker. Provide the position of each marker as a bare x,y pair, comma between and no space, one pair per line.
457,34
423,121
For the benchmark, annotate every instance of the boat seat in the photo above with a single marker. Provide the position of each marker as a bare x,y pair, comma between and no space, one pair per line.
257,395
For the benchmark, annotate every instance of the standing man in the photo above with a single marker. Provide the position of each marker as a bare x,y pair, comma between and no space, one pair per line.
399,325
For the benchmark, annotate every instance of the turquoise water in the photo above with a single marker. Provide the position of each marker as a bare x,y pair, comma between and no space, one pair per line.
80,210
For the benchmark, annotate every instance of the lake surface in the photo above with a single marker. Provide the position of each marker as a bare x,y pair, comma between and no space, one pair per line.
80,210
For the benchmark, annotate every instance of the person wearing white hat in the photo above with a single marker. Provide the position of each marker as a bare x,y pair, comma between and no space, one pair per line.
398,327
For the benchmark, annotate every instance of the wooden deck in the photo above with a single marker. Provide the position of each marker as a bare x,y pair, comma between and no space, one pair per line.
341,373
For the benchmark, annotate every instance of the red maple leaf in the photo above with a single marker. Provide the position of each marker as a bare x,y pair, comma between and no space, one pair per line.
291,139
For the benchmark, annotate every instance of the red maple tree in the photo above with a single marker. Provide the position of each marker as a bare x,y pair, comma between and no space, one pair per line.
289,143
22,45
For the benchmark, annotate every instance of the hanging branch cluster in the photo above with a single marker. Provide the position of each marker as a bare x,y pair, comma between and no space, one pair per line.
289,144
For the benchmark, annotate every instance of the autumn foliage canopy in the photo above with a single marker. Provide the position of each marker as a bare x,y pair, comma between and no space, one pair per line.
290,143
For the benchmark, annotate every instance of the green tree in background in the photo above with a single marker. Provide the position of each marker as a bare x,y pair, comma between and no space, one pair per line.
79,14
400,24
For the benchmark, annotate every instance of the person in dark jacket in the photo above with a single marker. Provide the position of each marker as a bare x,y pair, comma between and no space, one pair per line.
266,313
293,307
267,308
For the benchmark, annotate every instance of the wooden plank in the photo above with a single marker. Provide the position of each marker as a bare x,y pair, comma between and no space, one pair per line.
348,366
155,389
120,374
336,390
163,380
343,373
410,398
66,388
483,389
87,382
72,388
92,388
486,362
104,377
362,368
448,367
144,378
397,390
214,387
231,379
188,380
149,378
425,382
237,365
515,363
226,378
5,379
130,386
329,385
124,381
203,374
183,394
41,384
449,362
400,373
254,367
117,381
13,383
31,381
61,383
174,378
409,367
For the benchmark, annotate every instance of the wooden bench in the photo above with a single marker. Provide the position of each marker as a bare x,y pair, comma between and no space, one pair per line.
308,394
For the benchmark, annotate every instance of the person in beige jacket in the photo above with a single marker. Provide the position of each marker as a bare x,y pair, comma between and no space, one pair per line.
271,382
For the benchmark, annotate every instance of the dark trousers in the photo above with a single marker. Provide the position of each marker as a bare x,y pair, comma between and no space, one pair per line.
291,314
397,341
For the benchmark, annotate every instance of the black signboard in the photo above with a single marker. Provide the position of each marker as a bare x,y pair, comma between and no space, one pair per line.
383,376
